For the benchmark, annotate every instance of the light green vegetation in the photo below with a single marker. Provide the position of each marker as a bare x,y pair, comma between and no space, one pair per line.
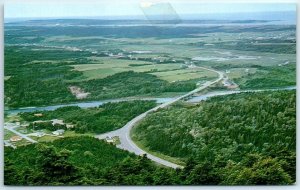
8,134
109,66
22,142
12,118
116,140
48,138
253,144
240,72
74,134
7,77
169,72
100,53
186,74
24,130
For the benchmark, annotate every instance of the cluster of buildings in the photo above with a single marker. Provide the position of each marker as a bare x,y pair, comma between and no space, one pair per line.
23,129
55,122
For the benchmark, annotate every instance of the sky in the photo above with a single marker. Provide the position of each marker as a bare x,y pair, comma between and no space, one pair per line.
134,7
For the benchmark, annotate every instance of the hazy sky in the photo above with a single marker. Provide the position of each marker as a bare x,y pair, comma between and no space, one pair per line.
134,7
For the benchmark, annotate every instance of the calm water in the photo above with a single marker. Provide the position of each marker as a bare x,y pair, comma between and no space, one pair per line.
82,105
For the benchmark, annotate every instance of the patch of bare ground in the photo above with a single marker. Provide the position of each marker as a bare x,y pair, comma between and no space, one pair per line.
78,92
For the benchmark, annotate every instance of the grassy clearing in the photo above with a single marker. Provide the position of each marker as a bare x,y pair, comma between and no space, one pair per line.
73,134
23,130
22,142
110,66
116,140
240,72
48,138
12,118
186,74
8,134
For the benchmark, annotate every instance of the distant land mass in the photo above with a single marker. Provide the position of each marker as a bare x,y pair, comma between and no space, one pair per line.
288,16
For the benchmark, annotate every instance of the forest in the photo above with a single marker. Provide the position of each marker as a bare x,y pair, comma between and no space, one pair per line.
85,161
270,77
247,138
269,45
47,82
132,83
89,161
107,117
238,139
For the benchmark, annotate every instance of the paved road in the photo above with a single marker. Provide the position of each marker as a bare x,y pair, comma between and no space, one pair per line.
19,134
124,132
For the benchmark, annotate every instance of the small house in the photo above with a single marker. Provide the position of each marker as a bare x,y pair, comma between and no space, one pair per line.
37,134
58,132
38,114
109,139
69,126
39,121
25,125
57,121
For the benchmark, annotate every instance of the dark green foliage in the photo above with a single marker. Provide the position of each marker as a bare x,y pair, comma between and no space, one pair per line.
282,46
107,117
131,83
35,83
258,148
81,161
270,77
46,82
260,171
56,169
46,125
225,130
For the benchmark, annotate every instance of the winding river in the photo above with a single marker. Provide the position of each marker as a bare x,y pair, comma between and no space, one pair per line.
194,99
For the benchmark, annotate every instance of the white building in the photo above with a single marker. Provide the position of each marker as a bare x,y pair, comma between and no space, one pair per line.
58,132
57,121
109,139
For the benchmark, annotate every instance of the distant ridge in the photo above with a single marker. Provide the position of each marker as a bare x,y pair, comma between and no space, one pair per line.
255,16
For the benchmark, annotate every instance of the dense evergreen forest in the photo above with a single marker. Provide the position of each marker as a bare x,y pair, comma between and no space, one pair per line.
107,117
81,161
247,138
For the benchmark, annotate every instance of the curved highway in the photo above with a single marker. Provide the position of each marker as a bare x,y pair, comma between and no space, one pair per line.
124,132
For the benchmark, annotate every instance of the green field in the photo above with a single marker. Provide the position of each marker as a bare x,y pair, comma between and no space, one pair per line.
186,74
8,134
109,66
